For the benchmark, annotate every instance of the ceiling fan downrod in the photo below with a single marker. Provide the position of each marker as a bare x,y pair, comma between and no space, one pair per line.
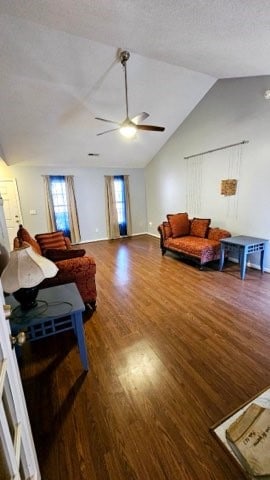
124,56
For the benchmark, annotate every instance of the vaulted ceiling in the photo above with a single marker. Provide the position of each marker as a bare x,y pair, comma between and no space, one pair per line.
60,69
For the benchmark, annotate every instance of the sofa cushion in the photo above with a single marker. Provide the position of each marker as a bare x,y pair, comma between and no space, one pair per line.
55,240
203,249
56,254
199,227
24,236
179,224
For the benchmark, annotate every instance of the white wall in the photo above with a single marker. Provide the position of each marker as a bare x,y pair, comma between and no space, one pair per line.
233,110
89,188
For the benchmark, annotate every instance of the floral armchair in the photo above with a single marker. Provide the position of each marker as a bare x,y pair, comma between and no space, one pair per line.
73,265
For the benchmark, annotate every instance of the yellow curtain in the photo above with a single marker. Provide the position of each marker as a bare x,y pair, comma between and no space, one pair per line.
49,204
111,211
72,210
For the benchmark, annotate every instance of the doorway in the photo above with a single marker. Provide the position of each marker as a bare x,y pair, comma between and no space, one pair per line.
12,209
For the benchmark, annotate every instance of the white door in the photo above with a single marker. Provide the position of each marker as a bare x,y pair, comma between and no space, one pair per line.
18,459
12,209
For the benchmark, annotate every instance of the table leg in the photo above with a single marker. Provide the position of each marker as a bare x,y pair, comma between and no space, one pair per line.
262,260
221,260
79,332
243,262
240,253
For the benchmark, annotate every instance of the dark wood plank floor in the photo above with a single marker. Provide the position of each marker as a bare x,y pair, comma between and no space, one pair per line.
172,349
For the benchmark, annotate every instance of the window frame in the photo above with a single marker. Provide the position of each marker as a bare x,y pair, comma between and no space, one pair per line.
61,218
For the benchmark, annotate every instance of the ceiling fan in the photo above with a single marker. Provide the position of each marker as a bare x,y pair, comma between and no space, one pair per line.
129,127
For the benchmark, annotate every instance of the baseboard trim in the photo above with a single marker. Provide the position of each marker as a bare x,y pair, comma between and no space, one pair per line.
251,265
156,235
136,234
91,241
106,238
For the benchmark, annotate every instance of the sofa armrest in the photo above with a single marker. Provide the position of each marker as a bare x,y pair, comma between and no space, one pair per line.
165,232
218,233
160,230
56,254
78,264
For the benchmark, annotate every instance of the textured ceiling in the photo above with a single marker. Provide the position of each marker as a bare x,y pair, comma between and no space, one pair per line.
60,69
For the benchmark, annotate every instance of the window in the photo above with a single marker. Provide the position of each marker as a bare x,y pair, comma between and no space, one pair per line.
119,187
59,198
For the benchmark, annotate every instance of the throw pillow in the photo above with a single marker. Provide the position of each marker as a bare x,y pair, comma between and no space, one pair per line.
55,254
51,240
199,227
179,224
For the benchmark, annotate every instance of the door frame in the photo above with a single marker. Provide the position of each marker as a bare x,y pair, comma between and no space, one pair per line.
23,439
18,203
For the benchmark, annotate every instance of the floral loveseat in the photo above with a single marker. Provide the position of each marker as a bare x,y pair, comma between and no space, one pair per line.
73,265
191,238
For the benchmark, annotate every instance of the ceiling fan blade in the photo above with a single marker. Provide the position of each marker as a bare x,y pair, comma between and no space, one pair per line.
151,128
140,117
105,120
107,131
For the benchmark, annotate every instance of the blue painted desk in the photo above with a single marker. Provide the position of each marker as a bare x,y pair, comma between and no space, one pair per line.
58,309
243,245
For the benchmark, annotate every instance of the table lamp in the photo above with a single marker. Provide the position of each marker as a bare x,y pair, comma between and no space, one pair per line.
24,272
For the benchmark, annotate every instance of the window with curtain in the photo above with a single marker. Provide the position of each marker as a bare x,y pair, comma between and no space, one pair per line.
120,200
60,203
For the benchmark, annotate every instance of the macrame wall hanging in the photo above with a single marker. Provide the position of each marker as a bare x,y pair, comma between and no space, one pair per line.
229,187
194,186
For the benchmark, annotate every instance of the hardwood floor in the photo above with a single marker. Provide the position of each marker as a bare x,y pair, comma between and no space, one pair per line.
172,349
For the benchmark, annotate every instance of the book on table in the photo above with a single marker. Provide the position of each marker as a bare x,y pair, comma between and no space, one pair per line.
249,438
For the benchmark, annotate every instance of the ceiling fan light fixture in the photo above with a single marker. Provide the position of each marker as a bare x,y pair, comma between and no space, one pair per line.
128,131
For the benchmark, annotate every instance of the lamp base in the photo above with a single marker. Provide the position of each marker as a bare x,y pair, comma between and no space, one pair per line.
26,297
